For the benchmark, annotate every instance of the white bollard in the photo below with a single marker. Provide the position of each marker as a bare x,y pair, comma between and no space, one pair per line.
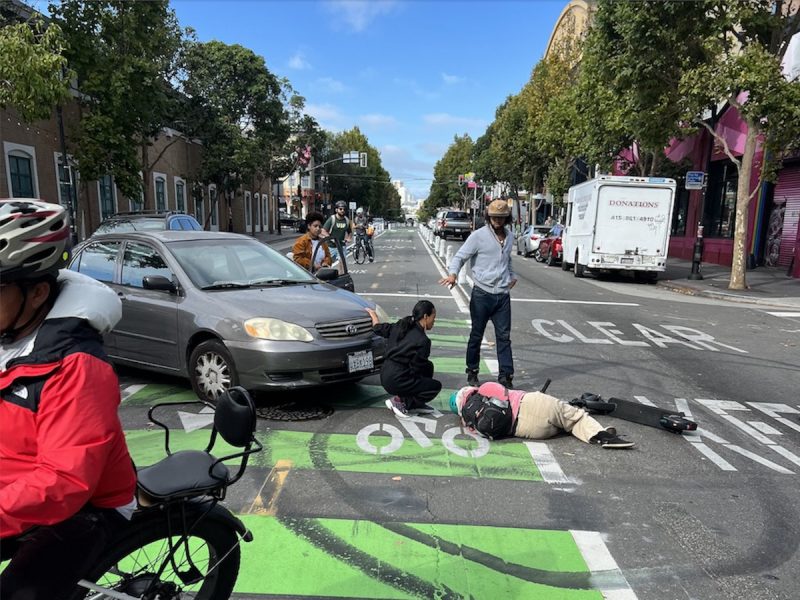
448,255
442,249
462,275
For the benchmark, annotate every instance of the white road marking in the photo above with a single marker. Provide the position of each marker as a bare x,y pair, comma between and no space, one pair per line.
546,463
402,295
764,428
553,301
130,390
784,314
772,409
494,367
610,581
644,400
459,302
693,437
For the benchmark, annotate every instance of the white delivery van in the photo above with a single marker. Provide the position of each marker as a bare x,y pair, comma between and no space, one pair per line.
619,223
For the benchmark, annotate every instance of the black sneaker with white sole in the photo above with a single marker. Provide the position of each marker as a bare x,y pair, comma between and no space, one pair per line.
472,378
609,439
397,406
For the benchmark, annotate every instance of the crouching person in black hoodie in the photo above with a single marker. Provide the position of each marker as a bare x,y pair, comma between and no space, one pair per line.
407,373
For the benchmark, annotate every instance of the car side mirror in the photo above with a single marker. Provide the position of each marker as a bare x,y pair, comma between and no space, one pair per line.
326,274
158,282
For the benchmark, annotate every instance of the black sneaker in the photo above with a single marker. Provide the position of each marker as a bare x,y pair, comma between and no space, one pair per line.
506,381
472,378
610,439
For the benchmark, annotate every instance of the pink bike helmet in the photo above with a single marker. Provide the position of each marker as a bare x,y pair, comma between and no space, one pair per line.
34,239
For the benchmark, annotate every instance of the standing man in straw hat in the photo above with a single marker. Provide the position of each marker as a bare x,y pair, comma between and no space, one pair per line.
489,251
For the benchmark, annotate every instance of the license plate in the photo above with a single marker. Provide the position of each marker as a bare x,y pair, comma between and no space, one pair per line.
457,230
626,259
360,361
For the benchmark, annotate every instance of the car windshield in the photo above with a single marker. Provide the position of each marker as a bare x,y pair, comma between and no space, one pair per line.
462,216
125,225
231,263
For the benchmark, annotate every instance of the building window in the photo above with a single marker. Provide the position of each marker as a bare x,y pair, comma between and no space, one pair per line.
161,194
21,171
180,196
679,212
719,218
67,182
105,186
248,208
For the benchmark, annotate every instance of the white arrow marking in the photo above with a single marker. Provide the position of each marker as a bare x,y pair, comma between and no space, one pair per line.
192,421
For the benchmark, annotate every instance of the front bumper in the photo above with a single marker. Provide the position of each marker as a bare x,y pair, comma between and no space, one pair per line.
268,365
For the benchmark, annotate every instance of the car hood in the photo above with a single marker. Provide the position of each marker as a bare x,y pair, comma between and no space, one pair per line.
304,305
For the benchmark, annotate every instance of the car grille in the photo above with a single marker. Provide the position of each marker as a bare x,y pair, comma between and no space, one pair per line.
344,330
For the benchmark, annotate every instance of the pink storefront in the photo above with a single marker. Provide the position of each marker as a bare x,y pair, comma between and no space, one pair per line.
773,212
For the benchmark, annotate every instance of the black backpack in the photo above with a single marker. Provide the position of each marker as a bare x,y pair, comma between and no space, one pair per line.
490,417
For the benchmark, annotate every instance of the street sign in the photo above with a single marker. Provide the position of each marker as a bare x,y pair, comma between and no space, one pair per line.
476,204
352,206
695,180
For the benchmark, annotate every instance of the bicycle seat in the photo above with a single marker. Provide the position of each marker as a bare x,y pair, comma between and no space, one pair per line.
191,473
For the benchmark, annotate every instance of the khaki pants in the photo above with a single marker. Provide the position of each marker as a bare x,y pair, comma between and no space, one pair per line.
542,416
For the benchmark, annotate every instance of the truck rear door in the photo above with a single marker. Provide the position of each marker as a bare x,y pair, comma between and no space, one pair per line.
632,220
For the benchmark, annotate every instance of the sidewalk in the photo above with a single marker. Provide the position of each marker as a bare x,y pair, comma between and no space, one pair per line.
769,286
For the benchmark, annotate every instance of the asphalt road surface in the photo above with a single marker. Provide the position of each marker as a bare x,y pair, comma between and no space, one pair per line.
363,505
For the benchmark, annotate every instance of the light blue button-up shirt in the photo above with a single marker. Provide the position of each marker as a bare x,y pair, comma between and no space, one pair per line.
490,262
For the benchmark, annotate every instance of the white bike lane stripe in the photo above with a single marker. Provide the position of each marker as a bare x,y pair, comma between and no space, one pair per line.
462,306
608,576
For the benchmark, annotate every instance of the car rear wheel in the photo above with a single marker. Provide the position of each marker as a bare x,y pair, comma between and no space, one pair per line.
211,370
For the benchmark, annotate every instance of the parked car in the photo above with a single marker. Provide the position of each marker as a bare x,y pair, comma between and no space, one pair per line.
223,309
528,240
293,222
148,221
551,248
452,222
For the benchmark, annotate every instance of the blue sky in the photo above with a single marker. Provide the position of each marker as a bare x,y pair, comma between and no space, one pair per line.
410,74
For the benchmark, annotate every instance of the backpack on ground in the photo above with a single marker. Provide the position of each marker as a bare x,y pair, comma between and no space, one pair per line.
490,417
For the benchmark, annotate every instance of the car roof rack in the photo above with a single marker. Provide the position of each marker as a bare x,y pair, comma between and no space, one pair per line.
148,213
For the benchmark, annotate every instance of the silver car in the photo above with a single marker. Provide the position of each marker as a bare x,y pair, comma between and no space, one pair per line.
528,240
224,309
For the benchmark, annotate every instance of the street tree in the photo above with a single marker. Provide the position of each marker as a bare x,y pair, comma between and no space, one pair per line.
126,56
33,69
236,107
445,189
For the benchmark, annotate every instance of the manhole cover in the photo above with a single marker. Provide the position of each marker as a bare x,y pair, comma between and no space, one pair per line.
294,411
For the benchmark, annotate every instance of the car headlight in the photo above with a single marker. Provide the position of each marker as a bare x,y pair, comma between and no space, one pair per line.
383,317
277,330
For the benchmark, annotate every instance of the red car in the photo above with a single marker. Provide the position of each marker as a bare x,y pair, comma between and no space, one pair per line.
550,249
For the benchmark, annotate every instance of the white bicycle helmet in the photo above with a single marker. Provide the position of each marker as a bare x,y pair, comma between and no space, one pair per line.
360,211
34,239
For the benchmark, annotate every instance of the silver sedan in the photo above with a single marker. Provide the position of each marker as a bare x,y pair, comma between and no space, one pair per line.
224,309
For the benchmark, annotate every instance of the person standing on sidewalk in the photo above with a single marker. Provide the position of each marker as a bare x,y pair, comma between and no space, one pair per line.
489,251
407,371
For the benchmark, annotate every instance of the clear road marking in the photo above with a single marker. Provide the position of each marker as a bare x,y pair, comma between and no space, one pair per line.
772,410
784,314
194,421
644,400
693,437
610,581
546,463
492,364
764,428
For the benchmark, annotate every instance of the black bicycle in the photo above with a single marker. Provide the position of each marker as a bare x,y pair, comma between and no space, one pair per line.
360,251
182,542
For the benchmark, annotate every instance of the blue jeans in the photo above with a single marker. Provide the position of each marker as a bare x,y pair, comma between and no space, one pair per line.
484,307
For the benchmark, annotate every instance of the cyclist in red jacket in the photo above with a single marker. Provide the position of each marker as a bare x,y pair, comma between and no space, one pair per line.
66,478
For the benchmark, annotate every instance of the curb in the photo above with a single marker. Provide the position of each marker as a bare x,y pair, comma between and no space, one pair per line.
691,291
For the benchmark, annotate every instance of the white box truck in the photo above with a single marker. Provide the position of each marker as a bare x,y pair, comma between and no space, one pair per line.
619,223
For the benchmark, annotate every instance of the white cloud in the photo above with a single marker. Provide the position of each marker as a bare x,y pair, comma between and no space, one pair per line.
299,62
433,148
448,120
414,172
452,79
327,115
416,88
356,15
331,85
378,121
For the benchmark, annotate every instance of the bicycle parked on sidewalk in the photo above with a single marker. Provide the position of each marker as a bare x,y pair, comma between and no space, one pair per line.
182,542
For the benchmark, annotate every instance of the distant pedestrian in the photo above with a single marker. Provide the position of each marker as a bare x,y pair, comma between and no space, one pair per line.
549,221
489,251
309,251
407,371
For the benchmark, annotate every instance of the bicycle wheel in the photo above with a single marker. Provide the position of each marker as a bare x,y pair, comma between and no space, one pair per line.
359,254
131,564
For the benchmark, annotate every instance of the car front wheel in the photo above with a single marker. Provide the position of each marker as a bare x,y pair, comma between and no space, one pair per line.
211,370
